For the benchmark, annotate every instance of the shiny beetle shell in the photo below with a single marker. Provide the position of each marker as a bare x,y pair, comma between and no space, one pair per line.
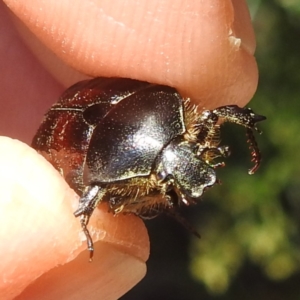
140,147
91,130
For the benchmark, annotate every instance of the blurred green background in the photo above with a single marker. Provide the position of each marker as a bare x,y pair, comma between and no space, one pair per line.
250,225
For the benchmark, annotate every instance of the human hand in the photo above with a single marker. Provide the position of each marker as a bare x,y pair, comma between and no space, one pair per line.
193,46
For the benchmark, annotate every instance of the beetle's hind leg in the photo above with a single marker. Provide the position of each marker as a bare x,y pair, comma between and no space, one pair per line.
87,203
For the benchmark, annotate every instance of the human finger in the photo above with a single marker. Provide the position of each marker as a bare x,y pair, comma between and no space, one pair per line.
39,235
203,48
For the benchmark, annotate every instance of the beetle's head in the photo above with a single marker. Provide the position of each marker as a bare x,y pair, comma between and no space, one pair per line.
191,175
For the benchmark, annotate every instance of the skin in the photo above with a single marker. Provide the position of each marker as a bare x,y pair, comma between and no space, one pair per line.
203,48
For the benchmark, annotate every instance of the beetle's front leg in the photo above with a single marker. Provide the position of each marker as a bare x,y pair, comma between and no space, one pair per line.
247,118
238,115
87,203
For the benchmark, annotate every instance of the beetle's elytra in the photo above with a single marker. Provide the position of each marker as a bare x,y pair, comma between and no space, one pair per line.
140,147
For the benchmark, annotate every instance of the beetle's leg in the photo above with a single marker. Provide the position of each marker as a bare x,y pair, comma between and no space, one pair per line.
84,219
172,212
183,221
247,118
87,203
255,153
214,152
208,129
209,154
241,116
224,151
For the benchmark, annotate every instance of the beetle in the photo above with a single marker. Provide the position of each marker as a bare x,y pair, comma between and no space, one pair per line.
138,146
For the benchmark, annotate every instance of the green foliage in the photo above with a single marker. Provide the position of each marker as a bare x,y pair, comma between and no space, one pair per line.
257,218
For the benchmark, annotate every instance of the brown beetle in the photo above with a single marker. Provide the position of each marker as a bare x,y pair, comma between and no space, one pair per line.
138,146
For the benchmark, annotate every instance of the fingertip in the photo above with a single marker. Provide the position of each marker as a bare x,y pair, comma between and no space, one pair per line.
110,275
39,231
